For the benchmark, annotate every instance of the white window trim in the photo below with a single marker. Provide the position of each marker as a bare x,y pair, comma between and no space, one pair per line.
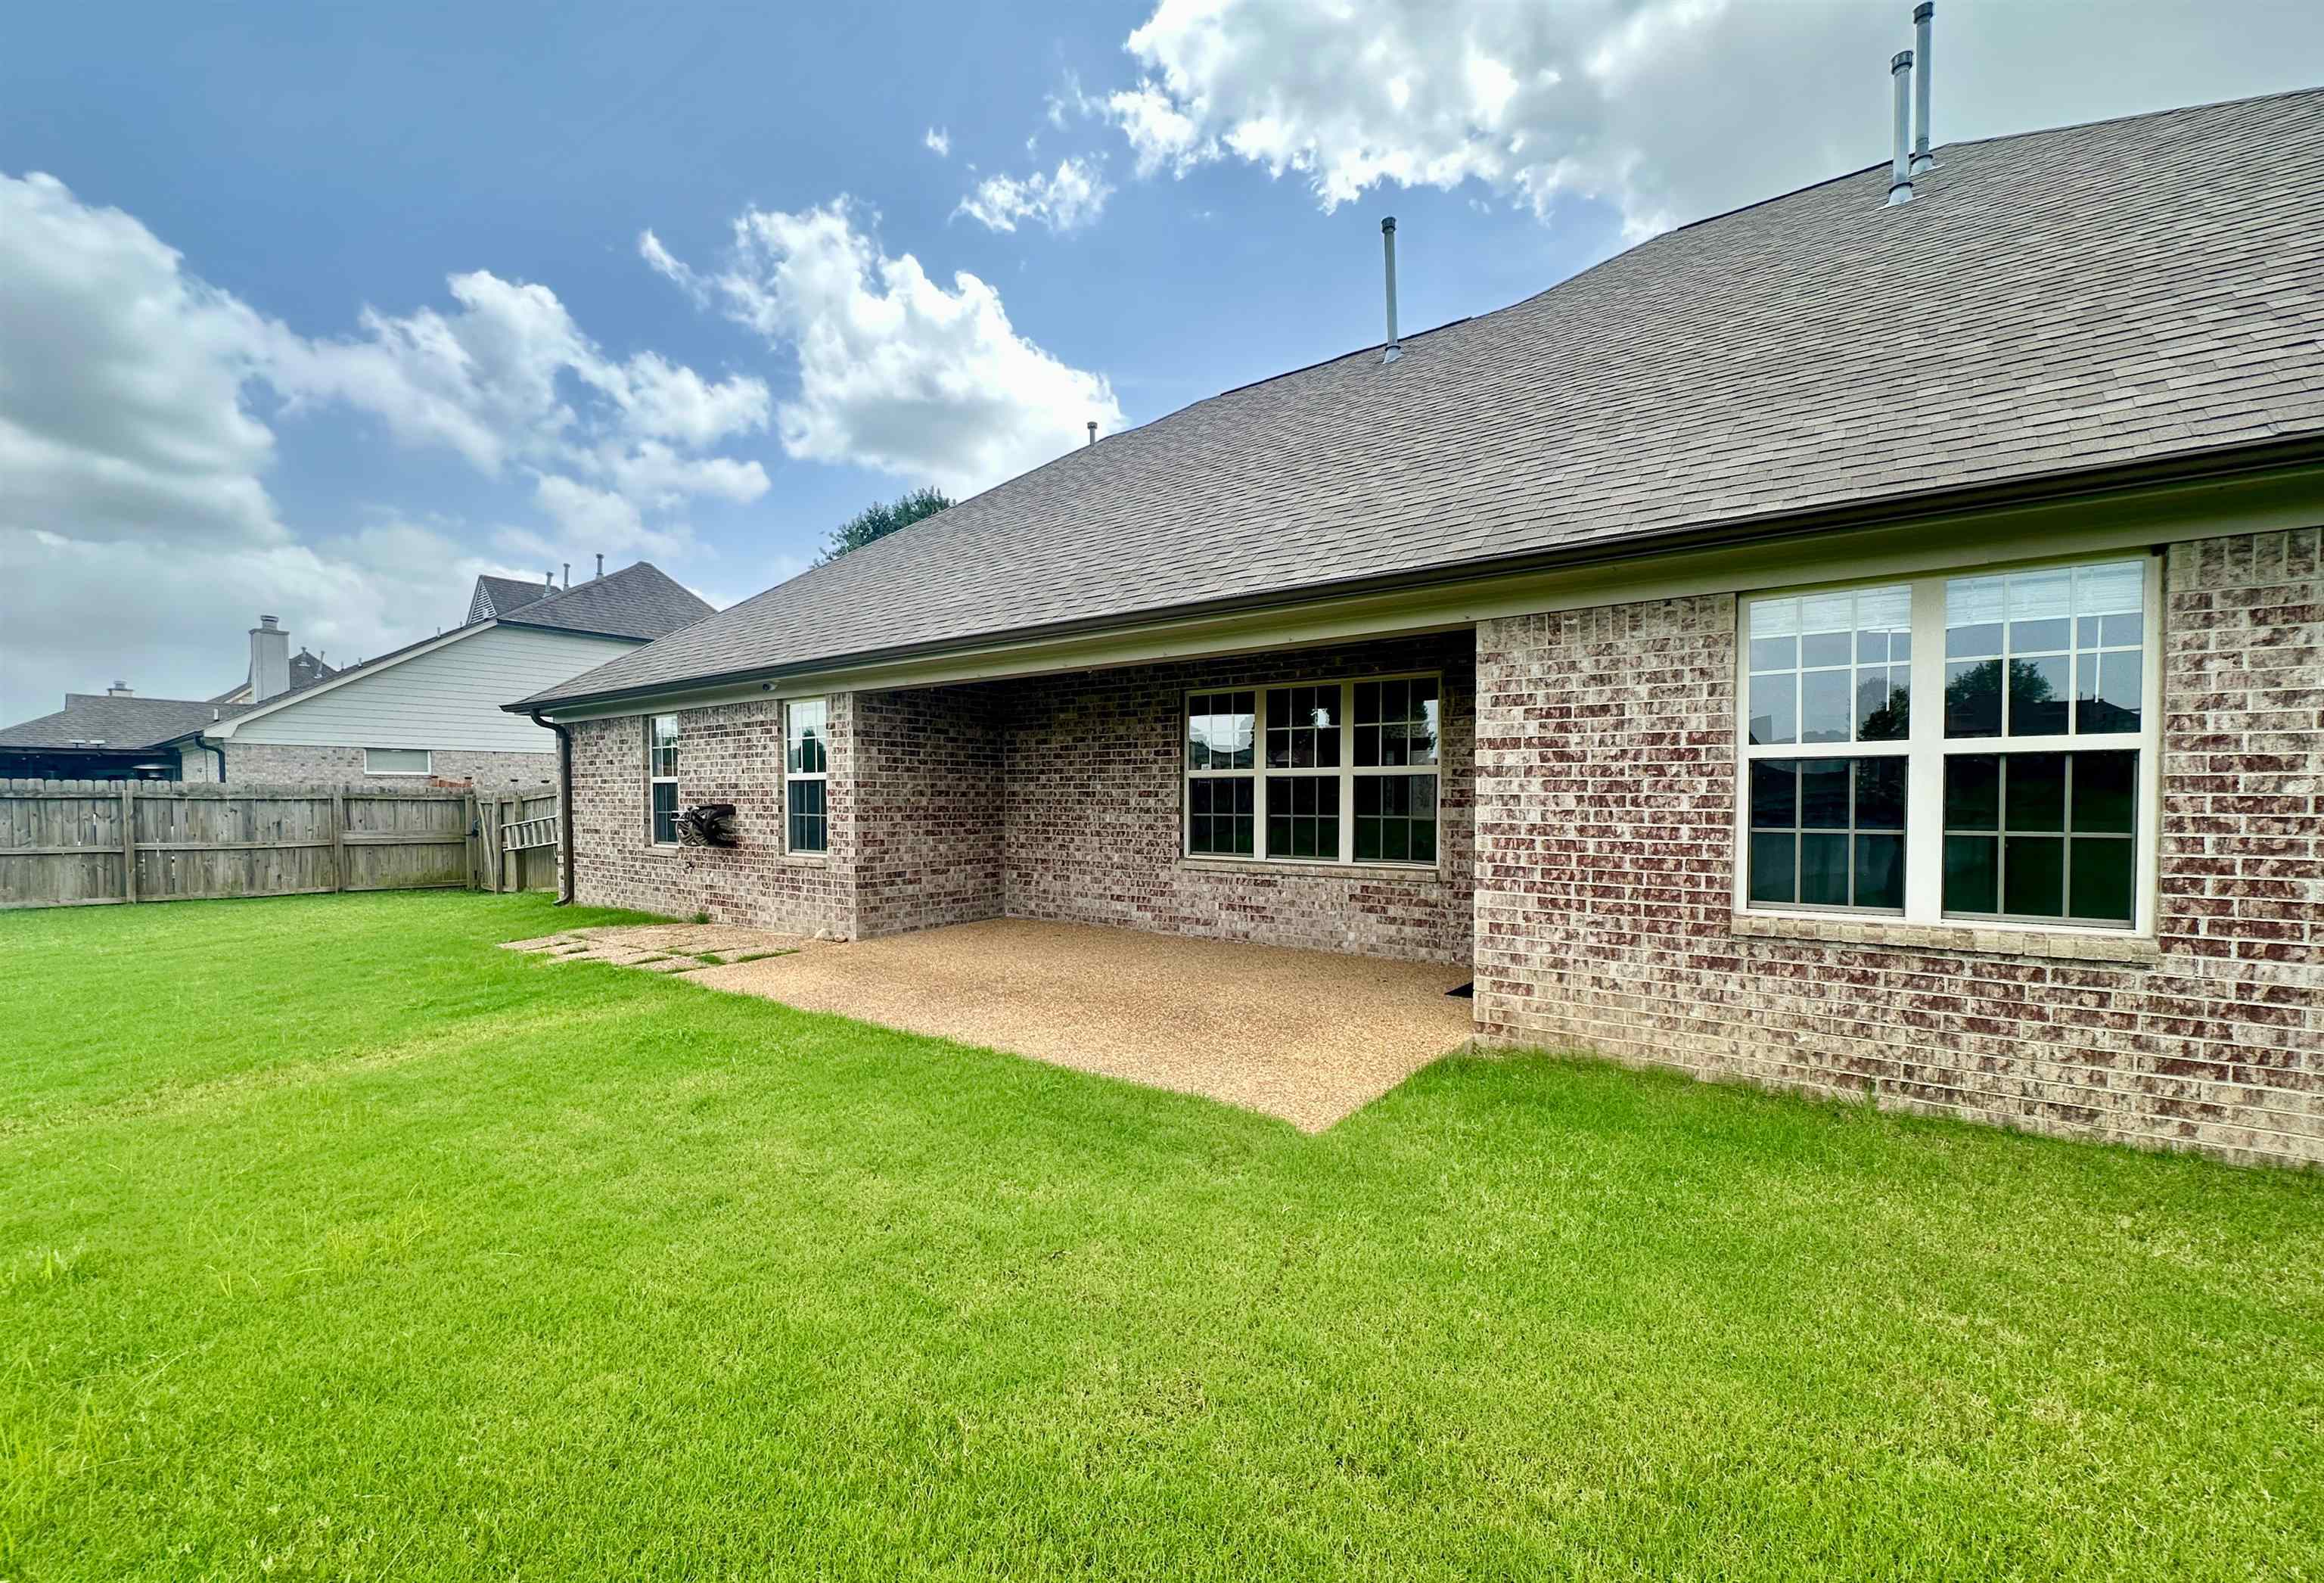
1924,787
783,763
677,749
428,770
1348,772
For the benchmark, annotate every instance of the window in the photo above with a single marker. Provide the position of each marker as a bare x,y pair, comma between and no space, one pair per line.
661,779
2024,795
807,776
398,761
1334,772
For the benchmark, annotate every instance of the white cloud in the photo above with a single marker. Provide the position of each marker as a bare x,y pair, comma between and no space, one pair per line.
121,390
510,377
1067,198
896,372
937,142
1668,109
138,408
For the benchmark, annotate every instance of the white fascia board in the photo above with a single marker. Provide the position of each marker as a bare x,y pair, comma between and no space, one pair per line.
221,729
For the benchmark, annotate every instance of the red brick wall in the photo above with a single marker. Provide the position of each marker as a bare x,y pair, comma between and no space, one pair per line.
1605,921
927,795
729,754
1094,790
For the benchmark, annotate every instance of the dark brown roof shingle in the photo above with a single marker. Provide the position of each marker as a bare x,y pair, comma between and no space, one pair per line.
2052,302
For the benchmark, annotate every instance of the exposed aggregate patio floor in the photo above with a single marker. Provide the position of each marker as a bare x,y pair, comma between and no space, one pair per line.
1308,1036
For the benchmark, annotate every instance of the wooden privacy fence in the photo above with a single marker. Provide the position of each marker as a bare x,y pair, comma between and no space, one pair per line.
519,841
87,843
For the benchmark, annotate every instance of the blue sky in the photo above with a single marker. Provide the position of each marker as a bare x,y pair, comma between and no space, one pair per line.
234,374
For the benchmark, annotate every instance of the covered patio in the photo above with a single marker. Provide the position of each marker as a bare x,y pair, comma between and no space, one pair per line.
1308,1036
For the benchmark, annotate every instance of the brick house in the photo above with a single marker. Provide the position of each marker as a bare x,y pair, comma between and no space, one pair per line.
1857,647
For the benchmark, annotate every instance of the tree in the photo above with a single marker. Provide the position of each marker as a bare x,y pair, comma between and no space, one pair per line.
881,518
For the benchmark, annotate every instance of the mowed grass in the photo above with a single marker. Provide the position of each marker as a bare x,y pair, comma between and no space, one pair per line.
335,1241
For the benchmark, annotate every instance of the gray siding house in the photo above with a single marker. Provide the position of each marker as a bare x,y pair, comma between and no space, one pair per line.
1858,646
428,710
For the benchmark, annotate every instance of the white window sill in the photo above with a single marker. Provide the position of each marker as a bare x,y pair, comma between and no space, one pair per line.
1281,867
2077,945
805,859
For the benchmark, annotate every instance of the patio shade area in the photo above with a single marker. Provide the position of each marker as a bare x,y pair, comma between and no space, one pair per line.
1308,1036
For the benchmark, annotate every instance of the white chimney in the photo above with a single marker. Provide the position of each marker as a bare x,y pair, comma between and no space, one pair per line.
269,660
1923,15
119,690
1392,350
1900,167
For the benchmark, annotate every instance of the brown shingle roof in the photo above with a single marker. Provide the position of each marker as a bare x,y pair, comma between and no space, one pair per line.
2052,302
118,722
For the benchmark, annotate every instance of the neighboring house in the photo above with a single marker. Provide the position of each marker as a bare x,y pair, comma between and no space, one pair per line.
1870,650
430,709
303,670
109,735
433,708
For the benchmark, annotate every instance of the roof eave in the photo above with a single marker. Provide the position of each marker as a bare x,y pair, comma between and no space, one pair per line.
1887,511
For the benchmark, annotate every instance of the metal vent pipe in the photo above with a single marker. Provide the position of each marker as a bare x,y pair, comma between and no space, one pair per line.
1392,351
1923,14
1900,167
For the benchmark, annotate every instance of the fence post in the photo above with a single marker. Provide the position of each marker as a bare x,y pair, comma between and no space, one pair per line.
339,839
129,840
475,842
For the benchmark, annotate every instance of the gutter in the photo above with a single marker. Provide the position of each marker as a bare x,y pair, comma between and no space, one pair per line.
564,808
2224,464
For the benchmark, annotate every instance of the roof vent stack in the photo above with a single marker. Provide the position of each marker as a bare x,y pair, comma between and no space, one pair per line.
568,574
1900,170
1392,350
1092,429
1923,15
601,564
119,690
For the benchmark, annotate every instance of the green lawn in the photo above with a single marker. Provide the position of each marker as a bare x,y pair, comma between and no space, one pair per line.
336,1243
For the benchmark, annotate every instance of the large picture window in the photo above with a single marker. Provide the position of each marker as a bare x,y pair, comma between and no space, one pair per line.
807,776
2023,794
1331,772
661,779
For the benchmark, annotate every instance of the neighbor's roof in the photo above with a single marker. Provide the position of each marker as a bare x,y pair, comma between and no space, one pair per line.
126,724
640,600
2050,303
306,670
498,595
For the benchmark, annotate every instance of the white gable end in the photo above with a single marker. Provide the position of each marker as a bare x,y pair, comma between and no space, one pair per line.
446,697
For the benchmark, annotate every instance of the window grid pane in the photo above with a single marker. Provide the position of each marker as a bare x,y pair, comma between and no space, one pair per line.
1829,668
662,773
1303,727
1303,816
2042,836
1219,819
1219,727
809,823
1395,818
1827,832
1396,723
2051,653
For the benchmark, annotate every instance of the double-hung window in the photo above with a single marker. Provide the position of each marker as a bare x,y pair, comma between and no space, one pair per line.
661,779
806,775
1332,772
2022,788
